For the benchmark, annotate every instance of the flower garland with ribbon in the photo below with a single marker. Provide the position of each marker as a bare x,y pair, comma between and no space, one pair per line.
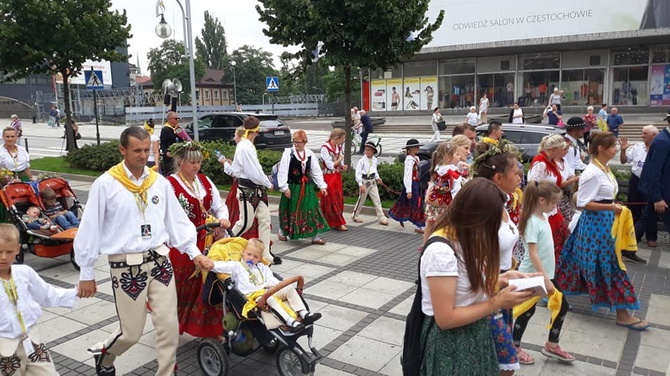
183,147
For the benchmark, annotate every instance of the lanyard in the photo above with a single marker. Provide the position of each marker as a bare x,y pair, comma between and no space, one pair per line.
13,295
195,190
252,276
609,174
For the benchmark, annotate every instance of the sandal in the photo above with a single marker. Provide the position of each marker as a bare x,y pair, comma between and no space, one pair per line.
638,325
319,241
341,228
557,353
357,220
418,231
524,357
282,237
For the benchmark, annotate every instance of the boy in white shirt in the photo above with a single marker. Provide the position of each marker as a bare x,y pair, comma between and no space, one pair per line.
367,178
252,278
22,297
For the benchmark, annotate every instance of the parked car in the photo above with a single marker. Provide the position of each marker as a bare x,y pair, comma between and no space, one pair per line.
526,137
274,133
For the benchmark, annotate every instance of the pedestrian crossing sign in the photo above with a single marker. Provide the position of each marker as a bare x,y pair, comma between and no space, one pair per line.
93,80
272,84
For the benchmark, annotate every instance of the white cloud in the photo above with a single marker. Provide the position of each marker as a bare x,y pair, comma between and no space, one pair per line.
239,18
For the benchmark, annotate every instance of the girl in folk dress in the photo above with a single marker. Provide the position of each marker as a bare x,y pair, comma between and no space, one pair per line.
200,199
299,213
332,162
409,206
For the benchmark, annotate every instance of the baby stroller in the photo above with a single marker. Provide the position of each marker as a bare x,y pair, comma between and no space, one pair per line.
244,336
18,197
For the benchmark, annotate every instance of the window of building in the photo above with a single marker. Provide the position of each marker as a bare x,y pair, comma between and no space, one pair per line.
630,56
216,94
660,54
457,91
207,95
224,94
394,72
420,68
584,59
537,86
583,86
457,66
551,60
498,87
629,86
496,64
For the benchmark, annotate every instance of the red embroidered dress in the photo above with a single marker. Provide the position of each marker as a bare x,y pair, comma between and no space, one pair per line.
195,317
332,206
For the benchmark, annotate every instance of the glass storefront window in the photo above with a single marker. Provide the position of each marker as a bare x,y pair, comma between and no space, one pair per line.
499,88
583,86
629,86
537,86
420,68
379,74
584,59
540,61
457,66
630,56
660,54
457,91
496,64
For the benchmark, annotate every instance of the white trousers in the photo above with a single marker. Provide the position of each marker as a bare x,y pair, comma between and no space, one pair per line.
246,220
38,363
290,295
436,134
372,191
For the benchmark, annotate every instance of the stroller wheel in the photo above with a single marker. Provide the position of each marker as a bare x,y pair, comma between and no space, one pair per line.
271,346
74,263
289,363
212,358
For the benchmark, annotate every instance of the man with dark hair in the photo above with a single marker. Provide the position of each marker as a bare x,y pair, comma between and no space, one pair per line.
459,129
131,214
494,133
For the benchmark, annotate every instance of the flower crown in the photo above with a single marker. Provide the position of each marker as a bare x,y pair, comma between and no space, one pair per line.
183,147
503,146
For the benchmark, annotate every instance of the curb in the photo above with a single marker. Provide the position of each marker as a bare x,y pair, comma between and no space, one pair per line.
348,208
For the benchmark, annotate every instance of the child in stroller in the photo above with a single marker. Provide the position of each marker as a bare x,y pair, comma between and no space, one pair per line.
252,278
33,220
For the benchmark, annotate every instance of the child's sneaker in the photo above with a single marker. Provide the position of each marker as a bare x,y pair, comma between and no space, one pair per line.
556,352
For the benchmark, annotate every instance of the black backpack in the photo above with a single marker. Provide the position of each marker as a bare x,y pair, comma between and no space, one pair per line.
412,348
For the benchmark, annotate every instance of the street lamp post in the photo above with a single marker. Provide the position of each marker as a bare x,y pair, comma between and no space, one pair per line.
233,64
163,31
264,94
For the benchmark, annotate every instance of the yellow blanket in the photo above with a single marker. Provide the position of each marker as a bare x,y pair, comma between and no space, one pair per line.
251,304
623,230
554,305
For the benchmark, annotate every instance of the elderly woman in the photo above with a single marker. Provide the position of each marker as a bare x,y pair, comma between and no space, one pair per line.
332,159
299,213
200,199
16,124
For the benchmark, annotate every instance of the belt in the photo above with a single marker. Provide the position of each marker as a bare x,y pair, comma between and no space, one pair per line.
369,176
246,183
125,260
604,201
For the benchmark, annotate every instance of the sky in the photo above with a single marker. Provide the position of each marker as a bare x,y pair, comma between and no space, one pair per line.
239,19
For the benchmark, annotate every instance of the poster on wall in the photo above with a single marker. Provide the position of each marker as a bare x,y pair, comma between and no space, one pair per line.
428,89
394,87
412,94
659,92
378,95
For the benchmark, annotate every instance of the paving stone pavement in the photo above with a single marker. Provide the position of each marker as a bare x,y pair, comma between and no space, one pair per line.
362,281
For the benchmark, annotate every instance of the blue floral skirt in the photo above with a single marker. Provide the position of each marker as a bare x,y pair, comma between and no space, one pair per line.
501,330
410,210
588,264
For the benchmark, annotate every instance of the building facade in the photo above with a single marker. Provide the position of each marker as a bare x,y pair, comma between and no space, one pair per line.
593,51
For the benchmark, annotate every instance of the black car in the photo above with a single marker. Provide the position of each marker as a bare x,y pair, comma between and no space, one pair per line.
274,133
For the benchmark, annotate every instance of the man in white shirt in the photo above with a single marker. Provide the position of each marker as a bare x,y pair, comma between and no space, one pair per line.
132,216
252,188
367,178
577,152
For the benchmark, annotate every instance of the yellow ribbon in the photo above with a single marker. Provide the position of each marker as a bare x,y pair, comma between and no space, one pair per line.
148,129
553,305
489,140
251,304
119,173
246,131
13,295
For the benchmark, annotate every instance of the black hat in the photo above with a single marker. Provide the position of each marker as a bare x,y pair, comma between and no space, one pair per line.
667,116
371,145
575,122
412,142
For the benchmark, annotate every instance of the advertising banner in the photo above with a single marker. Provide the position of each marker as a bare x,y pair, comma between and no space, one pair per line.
428,90
378,94
481,21
394,88
412,94
659,91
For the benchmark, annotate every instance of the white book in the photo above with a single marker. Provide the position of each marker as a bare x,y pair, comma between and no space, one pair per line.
532,283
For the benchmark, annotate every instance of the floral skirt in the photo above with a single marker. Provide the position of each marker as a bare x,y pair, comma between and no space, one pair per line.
559,231
468,350
501,330
300,216
234,212
409,209
588,264
432,212
332,206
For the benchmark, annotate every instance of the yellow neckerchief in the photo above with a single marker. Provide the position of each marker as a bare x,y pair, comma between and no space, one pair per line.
13,295
489,140
118,172
609,174
169,126
246,131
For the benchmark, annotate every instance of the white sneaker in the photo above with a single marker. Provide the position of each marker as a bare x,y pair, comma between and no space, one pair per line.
384,222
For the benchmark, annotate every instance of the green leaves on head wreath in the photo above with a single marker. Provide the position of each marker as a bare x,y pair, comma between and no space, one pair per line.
484,151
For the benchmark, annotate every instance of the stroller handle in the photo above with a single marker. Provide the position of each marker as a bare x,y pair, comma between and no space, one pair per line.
208,226
260,303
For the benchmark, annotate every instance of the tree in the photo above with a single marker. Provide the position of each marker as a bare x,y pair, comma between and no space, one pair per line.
212,48
349,34
252,65
38,37
170,61
334,82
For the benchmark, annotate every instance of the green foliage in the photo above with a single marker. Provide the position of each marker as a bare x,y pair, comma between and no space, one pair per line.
211,49
94,157
169,61
334,83
252,66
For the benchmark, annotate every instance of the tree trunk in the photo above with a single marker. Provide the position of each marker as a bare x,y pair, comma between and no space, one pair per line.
69,134
347,115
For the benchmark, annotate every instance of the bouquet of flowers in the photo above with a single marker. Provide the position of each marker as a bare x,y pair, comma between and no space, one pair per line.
5,176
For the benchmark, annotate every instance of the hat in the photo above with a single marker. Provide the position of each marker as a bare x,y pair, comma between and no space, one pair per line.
575,122
371,145
667,116
412,142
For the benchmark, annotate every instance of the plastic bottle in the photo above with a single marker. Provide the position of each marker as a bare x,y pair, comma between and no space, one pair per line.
219,155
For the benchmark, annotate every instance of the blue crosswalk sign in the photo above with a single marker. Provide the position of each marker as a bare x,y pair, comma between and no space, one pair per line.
272,84
93,80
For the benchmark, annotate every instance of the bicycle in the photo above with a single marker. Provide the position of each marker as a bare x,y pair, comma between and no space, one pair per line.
357,140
